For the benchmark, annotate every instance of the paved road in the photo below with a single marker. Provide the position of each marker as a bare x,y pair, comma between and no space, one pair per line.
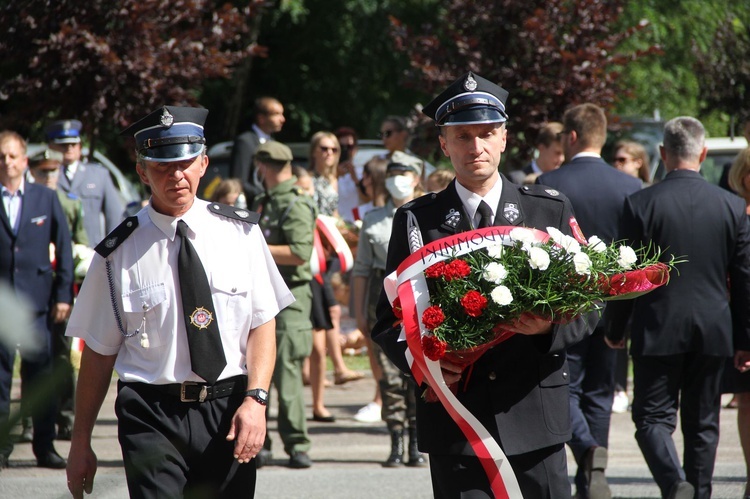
347,457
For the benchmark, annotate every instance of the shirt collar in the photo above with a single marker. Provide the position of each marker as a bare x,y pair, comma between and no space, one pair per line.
168,224
471,200
586,154
535,167
19,192
263,136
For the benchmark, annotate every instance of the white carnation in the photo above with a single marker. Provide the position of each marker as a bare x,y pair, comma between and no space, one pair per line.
570,244
597,244
522,235
496,250
495,272
555,234
627,257
582,263
538,258
501,295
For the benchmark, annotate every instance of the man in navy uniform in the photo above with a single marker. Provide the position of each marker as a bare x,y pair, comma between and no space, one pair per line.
30,220
181,300
518,389
89,181
597,192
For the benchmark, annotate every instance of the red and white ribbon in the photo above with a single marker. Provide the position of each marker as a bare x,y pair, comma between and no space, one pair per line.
409,285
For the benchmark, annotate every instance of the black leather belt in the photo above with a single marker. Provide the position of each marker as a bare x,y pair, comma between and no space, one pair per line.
190,391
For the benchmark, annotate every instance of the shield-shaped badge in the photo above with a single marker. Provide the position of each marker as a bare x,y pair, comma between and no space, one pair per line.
511,212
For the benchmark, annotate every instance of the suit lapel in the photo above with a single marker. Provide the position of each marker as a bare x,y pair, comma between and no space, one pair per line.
509,211
5,219
454,216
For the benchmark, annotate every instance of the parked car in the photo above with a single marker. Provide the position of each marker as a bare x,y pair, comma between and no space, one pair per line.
130,193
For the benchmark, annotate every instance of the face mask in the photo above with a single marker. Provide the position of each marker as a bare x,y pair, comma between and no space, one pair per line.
399,187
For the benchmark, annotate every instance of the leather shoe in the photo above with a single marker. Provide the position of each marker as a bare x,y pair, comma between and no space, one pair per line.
299,460
50,459
594,464
324,419
263,458
682,490
64,432
3,461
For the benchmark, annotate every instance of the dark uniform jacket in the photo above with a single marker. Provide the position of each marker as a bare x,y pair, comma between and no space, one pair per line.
519,389
688,217
241,163
24,257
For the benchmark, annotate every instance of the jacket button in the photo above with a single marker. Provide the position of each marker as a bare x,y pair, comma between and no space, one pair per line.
565,375
492,376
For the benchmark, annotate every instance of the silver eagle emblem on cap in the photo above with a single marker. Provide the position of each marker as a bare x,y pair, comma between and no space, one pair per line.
166,118
470,84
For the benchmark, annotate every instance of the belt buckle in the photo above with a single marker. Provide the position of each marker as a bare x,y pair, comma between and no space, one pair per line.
201,396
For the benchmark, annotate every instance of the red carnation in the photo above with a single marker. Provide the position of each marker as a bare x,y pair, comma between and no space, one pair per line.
397,310
433,347
435,271
473,303
457,269
433,317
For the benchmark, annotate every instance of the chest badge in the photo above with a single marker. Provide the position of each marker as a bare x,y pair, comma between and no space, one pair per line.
511,212
201,318
452,219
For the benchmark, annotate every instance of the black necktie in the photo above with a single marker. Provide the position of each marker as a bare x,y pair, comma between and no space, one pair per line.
206,353
486,212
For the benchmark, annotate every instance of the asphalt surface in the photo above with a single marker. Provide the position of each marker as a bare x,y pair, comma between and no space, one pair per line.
347,459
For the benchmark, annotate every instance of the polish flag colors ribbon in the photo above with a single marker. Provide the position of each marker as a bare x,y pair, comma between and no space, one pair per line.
409,285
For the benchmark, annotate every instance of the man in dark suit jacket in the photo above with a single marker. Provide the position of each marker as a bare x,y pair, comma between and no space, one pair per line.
103,209
682,333
518,389
31,220
268,118
597,192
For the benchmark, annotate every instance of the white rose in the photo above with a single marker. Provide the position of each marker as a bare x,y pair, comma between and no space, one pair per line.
627,257
496,250
495,272
522,235
597,244
582,263
538,258
501,295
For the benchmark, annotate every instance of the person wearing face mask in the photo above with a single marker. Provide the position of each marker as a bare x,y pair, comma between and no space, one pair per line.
397,391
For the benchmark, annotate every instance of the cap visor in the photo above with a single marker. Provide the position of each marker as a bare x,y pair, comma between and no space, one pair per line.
475,116
172,152
67,140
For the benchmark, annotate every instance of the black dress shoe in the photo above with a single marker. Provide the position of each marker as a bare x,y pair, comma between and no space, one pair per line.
3,461
50,459
263,458
64,432
299,460
324,419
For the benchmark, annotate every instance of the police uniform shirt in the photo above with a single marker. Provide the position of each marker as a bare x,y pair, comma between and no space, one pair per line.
247,289
471,200
372,248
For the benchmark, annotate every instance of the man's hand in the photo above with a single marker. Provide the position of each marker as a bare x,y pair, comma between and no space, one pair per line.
530,324
60,312
248,430
81,468
617,345
742,360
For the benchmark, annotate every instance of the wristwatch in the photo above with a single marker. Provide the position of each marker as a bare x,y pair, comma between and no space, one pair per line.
259,394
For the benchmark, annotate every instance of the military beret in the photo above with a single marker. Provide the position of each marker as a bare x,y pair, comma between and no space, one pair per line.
400,161
169,134
470,100
64,132
274,151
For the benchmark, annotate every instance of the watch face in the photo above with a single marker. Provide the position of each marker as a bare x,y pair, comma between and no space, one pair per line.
258,394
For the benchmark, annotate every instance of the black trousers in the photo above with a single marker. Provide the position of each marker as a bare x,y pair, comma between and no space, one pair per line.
661,384
541,474
178,449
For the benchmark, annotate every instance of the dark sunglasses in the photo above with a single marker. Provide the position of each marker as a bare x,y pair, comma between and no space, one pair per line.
326,149
386,133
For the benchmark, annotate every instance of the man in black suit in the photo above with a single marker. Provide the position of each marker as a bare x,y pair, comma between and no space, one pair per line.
597,192
519,389
268,118
549,155
682,333
31,220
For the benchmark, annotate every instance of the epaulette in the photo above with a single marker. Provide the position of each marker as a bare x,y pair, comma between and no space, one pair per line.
234,213
539,190
421,201
116,237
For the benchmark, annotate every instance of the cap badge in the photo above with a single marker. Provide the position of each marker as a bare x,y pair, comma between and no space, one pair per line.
470,84
166,118
201,318
67,125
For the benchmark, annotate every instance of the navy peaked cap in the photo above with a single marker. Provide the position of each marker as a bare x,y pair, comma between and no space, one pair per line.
470,100
170,133
64,132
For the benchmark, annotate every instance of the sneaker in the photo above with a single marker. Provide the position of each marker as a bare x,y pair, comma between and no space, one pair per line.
299,460
620,403
369,413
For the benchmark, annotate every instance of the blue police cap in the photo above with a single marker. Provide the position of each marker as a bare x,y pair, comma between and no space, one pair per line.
64,132
169,134
470,100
